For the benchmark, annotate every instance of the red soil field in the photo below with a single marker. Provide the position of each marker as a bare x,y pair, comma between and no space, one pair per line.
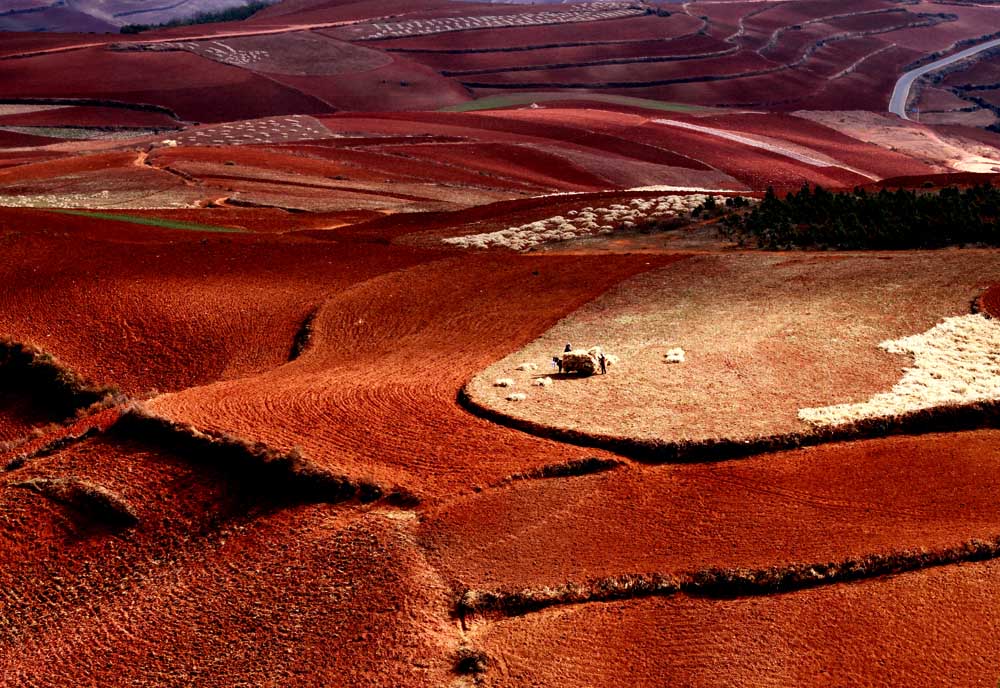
868,88
517,162
989,303
633,28
65,166
755,167
91,117
193,87
634,50
506,122
17,43
147,308
344,591
823,504
443,321
13,139
730,65
982,71
928,628
402,85
863,156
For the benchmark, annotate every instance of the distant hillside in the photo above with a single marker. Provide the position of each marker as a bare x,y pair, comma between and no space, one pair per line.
104,16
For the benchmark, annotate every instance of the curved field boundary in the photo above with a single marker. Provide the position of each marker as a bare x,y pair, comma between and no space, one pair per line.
284,473
62,387
535,46
929,20
594,63
720,583
777,33
94,102
950,418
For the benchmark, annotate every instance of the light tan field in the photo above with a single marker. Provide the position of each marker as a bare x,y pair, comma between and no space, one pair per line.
808,332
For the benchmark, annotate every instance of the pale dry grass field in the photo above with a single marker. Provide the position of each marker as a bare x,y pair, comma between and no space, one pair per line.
764,336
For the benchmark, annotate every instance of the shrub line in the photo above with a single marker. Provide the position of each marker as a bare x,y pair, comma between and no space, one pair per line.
720,583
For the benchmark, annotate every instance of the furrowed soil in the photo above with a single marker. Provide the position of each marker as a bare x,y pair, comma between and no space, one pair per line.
926,628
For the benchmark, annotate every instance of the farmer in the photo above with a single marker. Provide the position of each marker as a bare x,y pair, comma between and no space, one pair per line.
567,349
604,363
557,362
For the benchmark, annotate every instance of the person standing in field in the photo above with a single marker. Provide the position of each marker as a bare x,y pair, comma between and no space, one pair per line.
604,363
568,348
557,362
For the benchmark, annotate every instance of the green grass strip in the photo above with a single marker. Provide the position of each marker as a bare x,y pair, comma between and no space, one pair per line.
501,101
150,221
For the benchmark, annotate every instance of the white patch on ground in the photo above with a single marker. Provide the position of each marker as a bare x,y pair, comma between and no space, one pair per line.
955,362
674,356
582,223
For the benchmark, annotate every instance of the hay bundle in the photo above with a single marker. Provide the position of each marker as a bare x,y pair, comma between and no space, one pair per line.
503,382
517,396
581,361
674,355
542,382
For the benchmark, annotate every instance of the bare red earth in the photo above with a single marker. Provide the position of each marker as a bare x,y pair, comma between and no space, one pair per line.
989,302
928,628
811,506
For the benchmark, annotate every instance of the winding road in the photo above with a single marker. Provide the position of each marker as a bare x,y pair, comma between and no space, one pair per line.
901,91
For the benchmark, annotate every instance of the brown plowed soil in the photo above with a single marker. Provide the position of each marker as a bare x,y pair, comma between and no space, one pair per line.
816,505
432,326
214,586
146,308
989,302
929,628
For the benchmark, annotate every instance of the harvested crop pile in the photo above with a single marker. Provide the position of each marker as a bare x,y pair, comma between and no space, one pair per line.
375,391
956,362
803,323
584,223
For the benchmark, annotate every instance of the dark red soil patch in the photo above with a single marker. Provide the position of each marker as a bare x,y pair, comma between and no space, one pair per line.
989,302
13,139
91,116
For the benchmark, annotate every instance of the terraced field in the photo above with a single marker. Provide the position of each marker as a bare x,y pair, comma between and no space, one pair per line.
279,302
